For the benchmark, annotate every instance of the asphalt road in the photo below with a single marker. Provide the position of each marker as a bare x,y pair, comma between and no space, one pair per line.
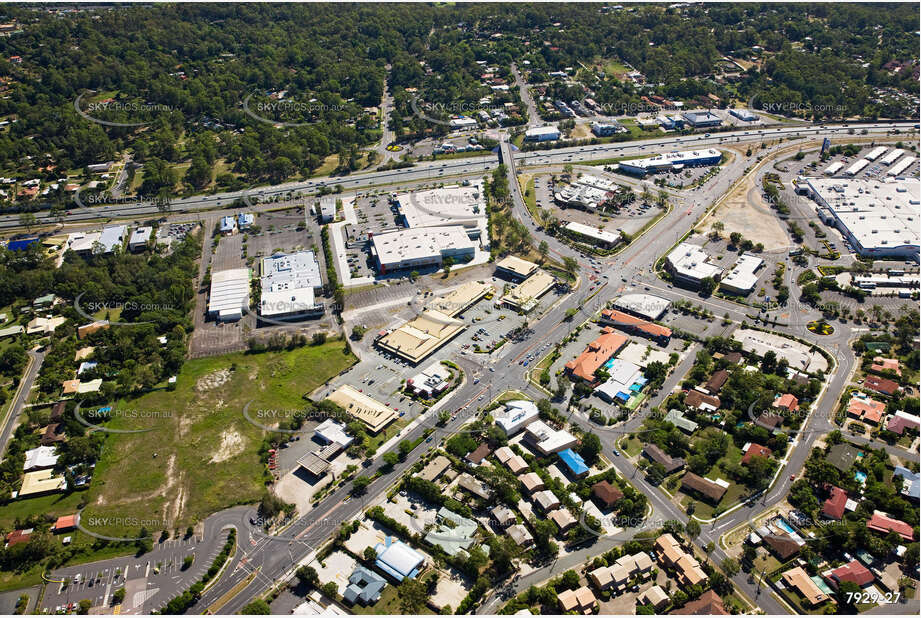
433,170
22,394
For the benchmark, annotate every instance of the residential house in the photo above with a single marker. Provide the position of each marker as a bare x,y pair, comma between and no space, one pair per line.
834,506
655,596
606,495
563,519
707,604
656,454
782,545
704,487
67,523
853,572
751,450
866,409
479,454
881,364
881,522
697,400
520,535
503,516
715,384
800,581
581,600
884,386
531,482
546,500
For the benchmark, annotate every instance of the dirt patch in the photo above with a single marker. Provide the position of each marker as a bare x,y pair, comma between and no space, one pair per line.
232,444
744,211
212,380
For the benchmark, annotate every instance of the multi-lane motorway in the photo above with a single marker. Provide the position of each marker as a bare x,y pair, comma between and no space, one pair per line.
262,561
435,170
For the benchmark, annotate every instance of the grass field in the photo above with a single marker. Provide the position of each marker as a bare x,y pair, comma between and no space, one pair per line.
200,454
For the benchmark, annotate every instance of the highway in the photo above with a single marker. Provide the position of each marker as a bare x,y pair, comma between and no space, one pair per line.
262,561
437,170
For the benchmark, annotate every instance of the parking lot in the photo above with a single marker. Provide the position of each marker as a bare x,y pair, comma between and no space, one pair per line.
149,581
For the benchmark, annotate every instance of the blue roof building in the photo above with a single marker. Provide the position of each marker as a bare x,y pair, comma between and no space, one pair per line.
364,587
244,220
227,225
911,482
574,462
397,559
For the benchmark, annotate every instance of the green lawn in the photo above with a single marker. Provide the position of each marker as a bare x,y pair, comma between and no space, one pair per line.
389,603
200,454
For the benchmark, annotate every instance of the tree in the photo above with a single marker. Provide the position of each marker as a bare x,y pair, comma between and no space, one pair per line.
118,596
370,555
570,265
543,249
413,596
257,607
735,238
391,458
358,332
590,448
187,561
447,263
692,528
84,606
707,286
307,575
730,567
360,485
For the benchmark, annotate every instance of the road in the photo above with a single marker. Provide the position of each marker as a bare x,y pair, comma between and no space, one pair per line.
434,170
36,358
262,561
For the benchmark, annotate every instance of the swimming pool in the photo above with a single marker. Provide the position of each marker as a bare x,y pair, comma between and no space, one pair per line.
782,523
860,476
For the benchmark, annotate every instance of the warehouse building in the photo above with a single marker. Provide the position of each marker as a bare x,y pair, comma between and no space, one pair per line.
671,161
690,264
415,340
857,167
525,296
542,134
643,305
743,276
229,294
744,114
326,209
606,129
290,283
139,238
834,168
876,153
901,166
878,218
892,157
363,408
112,238
515,268
422,247
702,119
461,205
597,237
460,298
462,122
